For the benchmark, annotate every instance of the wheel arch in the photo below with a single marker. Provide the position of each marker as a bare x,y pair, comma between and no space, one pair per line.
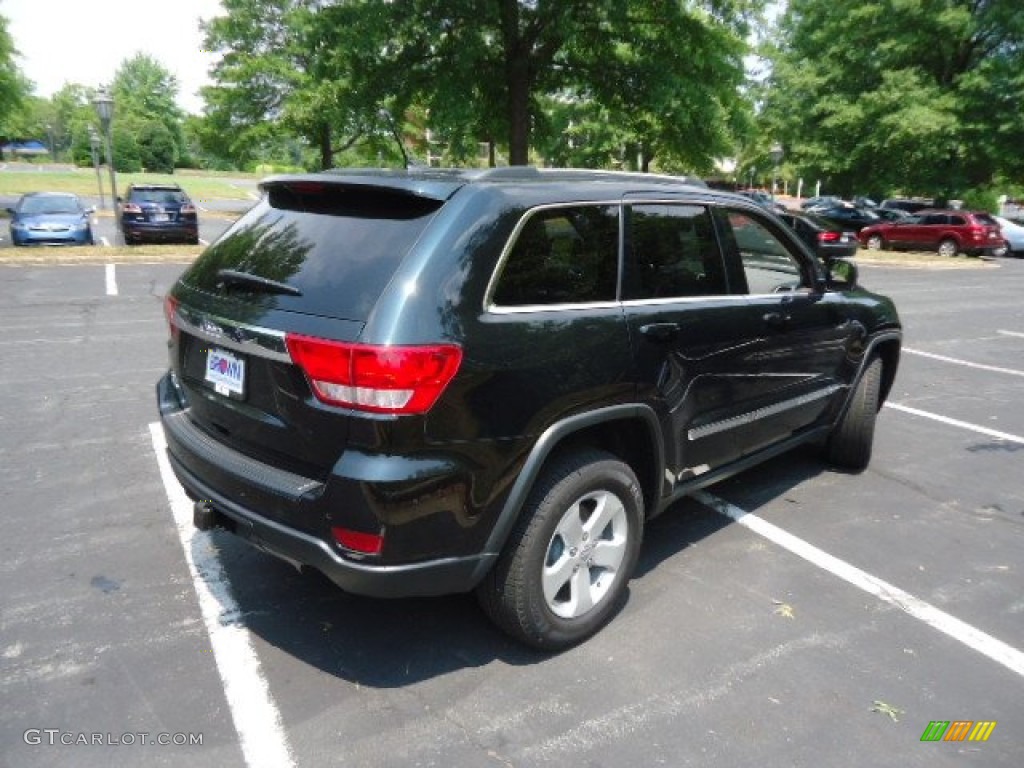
631,432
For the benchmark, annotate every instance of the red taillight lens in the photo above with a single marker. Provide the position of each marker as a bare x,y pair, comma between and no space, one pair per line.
171,313
357,541
131,208
829,237
188,208
380,379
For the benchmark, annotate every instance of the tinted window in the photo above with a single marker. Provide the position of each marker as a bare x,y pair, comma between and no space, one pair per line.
161,196
768,265
562,256
672,252
338,245
934,219
958,221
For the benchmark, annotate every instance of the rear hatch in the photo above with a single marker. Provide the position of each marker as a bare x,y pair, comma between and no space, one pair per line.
159,205
311,258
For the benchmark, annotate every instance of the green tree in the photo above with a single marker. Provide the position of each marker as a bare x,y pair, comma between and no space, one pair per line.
144,89
664,72
14,87
157,150
282,69
890,95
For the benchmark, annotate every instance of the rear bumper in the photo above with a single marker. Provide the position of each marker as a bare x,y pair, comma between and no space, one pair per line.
239,488
161,231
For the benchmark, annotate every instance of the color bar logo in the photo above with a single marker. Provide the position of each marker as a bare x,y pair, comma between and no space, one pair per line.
958,730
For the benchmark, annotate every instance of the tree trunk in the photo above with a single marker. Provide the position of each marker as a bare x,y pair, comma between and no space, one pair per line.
517,83
326,148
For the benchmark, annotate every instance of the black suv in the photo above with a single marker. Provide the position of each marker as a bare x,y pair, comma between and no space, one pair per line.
157,212
432,381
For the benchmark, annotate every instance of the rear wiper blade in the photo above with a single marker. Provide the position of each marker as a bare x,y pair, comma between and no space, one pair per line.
265,284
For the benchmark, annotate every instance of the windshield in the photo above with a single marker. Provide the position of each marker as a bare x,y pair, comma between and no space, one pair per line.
50,204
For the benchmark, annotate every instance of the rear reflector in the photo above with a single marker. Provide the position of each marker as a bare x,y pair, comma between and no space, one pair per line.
357,541
171,311
379,379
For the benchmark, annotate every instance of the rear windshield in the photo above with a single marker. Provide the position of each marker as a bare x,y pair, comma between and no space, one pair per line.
338,246
163,196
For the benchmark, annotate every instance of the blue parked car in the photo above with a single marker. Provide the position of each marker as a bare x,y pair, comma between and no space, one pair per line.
51,218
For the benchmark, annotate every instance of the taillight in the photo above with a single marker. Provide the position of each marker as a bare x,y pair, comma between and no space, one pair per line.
376,378
357,541
131,208
188,208
828,237
171,313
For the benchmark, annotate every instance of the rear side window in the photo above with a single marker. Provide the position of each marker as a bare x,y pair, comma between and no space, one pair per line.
562,256
935,219
672,253
338,245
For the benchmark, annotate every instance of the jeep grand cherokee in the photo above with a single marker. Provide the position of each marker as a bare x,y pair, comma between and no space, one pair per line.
431,381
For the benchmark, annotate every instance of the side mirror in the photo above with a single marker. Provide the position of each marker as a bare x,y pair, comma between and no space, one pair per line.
841,275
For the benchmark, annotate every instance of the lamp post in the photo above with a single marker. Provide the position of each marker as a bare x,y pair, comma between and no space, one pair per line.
94,146
104,105
776,155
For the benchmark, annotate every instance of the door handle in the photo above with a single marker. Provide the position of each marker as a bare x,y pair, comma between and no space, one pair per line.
777,320
660,331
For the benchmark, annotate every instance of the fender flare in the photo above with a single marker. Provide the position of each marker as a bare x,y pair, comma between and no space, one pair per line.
545,445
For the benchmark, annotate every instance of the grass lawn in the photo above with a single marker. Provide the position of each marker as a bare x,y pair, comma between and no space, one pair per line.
97,254
82,181
921,260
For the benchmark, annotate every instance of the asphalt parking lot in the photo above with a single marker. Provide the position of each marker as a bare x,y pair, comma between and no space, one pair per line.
120,629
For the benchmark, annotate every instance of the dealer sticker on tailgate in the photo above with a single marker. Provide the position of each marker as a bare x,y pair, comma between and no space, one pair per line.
225,372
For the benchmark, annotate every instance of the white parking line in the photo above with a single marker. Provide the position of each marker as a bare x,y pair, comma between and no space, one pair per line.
956,423
253,710
111,276
974,638
1012,333
957,361
105,241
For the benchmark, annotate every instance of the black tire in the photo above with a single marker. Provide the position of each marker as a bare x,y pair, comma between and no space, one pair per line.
571,490
849,445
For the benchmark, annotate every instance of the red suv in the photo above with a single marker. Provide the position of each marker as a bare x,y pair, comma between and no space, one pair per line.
948,232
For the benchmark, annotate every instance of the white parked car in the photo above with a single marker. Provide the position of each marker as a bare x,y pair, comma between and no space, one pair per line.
1013,234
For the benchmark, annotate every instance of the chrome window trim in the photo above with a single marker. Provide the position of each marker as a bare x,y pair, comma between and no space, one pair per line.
761,413
641,198
231,334
492,283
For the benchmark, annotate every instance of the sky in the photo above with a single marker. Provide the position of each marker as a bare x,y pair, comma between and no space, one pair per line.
85,41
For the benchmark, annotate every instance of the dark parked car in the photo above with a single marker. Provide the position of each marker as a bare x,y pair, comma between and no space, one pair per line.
847,217
433,381
50,218
158,212
910,205
890,214
764,199
823,237
821,201
948,232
